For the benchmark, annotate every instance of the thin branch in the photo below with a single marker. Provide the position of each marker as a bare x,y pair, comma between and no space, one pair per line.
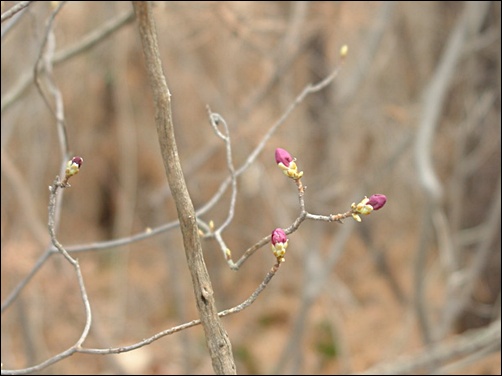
463,345
216,120
433,98
93,38
19,287
317,273
10,25
309,89
44,56
87,42
303,215
53,189
435,93
150,232
117,350
22,194
252,298
52,212
471,274
16,8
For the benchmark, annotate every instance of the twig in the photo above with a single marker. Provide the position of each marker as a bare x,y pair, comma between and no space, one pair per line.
53,189
463,345
117,350
93,37
77,347
22,194
87,42
44,56
16,8
433,98
309,89
8,26
149,232
217,120
457,302
175,329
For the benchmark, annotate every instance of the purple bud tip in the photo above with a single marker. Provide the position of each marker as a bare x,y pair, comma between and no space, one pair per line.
279,236
77,160
283,156
377,201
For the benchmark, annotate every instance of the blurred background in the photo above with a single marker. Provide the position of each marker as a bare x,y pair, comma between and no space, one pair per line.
413,113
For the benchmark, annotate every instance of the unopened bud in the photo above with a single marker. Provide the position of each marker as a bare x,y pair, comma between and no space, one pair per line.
377,201
287,164
367,205
279,243
72,168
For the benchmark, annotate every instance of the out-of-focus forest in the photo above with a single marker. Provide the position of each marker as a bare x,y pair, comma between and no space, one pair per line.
413,113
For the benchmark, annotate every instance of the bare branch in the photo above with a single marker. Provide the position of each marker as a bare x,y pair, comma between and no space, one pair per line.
217,340
16,8
463,345
87,42
252,298
54,188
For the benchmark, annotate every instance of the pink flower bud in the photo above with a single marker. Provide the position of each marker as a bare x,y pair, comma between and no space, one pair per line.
279,244
77,160
287,164
73,166
377,201
282,156
279,236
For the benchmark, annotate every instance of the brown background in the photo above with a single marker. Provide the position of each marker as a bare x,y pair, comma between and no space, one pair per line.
248,61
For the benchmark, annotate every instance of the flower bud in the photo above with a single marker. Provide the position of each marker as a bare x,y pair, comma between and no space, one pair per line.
367,205
377,201
282,156
73,166
279,236
279,243
287,164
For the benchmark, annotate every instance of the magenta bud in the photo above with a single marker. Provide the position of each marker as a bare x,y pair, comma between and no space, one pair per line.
282,156
72,168
279,236
377,201
77,160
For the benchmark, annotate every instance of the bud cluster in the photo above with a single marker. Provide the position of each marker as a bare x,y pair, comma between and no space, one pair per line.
287,164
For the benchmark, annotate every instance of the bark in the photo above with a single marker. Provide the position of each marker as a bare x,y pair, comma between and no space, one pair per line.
217,339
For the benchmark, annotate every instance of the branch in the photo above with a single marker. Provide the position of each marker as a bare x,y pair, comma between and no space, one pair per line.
117,350
433,98
53,189
86,43
178,328
463,345
217,339
16,8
